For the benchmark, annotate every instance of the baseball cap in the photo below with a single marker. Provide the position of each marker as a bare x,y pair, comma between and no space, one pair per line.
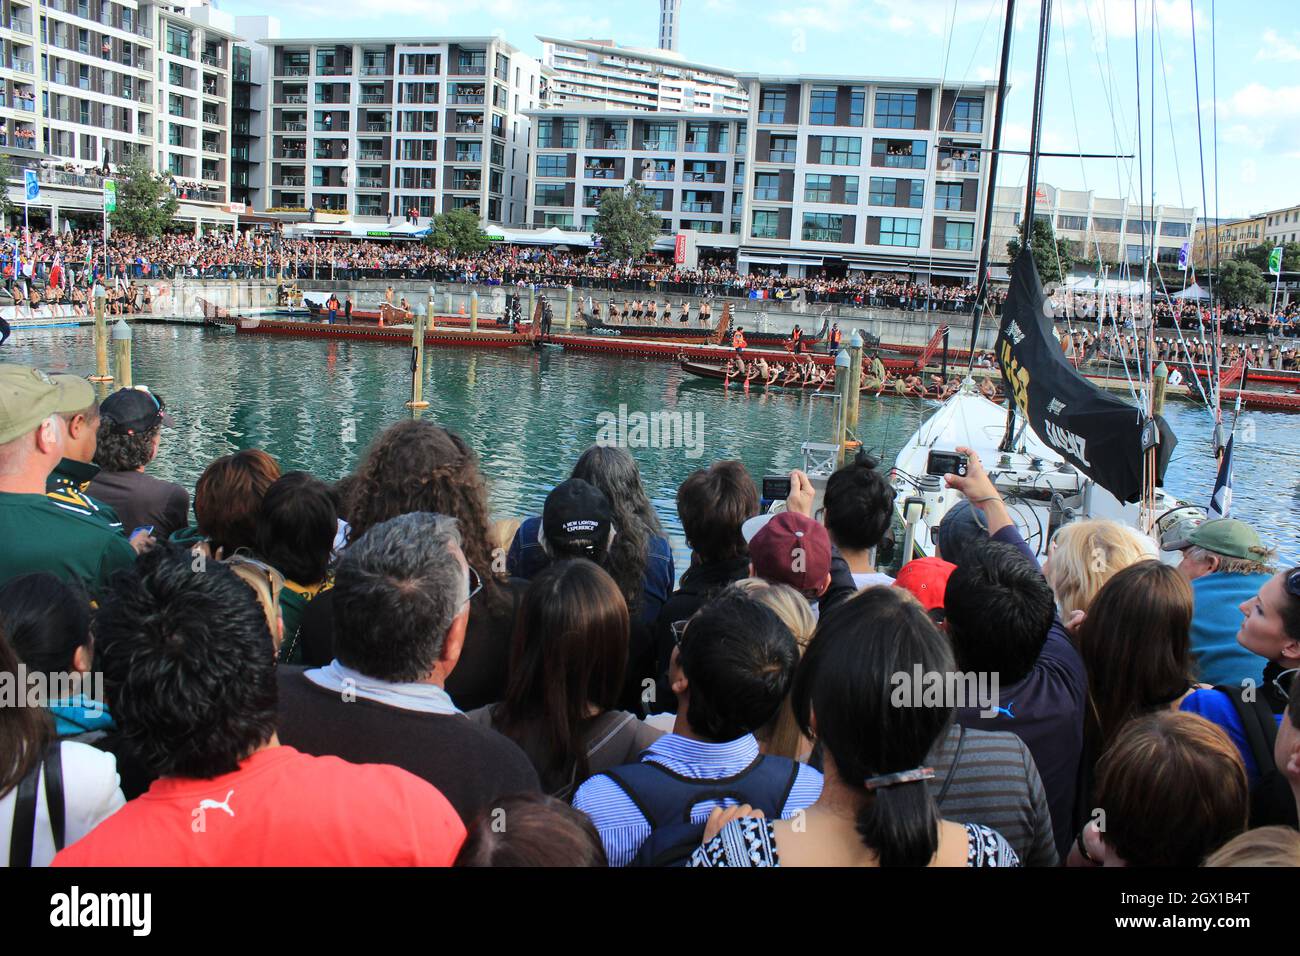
133,410
962,529
1225,536
792,549
28,396
576,520
926,579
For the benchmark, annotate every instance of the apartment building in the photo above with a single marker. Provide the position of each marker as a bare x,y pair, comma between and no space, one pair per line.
864,173
382,126
589,73
690,163
1227,238
1098,229
1282,226
248,111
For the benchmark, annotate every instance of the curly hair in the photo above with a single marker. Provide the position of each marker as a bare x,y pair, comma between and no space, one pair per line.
117,452
419,466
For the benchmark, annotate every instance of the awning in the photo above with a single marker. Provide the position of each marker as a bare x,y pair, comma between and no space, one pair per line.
355,230
783,260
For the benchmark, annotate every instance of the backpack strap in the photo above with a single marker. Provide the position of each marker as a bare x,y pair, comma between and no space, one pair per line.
54,793
664,797
952,768
22,838
1257,723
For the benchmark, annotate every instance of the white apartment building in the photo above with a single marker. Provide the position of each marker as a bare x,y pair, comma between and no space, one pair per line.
1282,226
1109,230
248,111
585,73
690,163
864,173
378,127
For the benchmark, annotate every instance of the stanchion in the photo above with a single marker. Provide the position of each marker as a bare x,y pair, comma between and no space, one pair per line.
417,361
532,300
844,387
101,337
473,311
122,353
1158,388
568,307
855,377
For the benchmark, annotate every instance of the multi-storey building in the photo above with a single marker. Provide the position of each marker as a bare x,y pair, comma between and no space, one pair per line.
380,127
1226,238
1099,230
586,73
1282,226
248,110
690,163
865,174
670,15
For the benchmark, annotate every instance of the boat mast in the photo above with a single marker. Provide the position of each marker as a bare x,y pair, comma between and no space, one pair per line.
981,277
1031,179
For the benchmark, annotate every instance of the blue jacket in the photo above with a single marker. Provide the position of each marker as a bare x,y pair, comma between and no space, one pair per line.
526,559
1215,622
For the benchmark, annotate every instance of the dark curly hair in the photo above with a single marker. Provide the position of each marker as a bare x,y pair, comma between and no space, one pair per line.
117,452
859,505
188,662
419,466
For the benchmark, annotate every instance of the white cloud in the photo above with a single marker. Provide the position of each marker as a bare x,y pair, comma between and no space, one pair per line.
1278,48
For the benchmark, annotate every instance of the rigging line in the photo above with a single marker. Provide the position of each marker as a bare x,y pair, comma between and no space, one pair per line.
1200,153
943,81
1169,112
1192,362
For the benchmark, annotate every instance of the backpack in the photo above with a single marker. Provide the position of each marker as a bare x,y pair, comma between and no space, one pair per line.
1271,800
666,799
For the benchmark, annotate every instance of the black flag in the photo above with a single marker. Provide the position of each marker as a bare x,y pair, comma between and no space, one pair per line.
1099,433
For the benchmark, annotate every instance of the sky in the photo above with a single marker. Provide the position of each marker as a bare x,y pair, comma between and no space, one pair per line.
1247,60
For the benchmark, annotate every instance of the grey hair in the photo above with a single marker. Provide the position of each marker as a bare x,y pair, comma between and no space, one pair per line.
1229,565
397,591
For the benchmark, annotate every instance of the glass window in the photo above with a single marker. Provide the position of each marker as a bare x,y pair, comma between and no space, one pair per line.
900,232
823,227
947,195
899,153
566,137
552,165
1174,229
968,114
783,149
896,110
660,136
1072,222
767,186
549,194
1101,224
840,151
821,107
959,235
771,106
816,188
766,224
884,192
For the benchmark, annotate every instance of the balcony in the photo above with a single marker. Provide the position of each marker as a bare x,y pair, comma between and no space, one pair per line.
372,97
699,207
470,127
466,184
294,127
294,71
296,98
370,182
371,154
688,177
241,154
211,148
211,118
293,154
597,172
21,65
658,145
211,59
293,180
469,157
20,25
466,99
781,156
470,69
375,69
379,128
331,128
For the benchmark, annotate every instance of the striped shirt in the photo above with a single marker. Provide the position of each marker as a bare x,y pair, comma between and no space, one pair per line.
623,828
996,785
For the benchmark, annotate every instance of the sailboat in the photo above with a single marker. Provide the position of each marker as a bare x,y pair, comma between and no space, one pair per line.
1064,450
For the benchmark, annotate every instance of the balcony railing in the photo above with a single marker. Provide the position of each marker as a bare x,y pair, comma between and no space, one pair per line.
699,207
293,154
294,98
466,98
19,25
294,127
781,156
470,69
211,148
293,180
660,175
294,71
374,69
468,157
372,97
371,154
21,65
378,128
597,173
212,118
370,182
477,128
210,59
466,185
701,177
331,128
659,144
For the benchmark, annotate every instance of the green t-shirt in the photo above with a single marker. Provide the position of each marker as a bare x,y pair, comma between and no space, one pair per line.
40,535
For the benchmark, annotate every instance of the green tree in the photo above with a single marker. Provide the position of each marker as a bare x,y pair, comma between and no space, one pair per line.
1259,256
1052,256
457,232
7,207
1240,283
145,204
627,221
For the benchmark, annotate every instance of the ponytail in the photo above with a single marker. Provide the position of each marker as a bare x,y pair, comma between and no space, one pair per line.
899,822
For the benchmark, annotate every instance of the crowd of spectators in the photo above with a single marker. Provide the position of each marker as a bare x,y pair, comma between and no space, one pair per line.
370,670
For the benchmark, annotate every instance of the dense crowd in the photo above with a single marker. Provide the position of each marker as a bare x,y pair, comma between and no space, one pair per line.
219,254
288,669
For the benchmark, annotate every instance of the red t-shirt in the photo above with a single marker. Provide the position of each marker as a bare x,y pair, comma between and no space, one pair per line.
280,808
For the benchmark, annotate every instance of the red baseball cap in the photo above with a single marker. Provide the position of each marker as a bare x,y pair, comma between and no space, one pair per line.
792,549
926,579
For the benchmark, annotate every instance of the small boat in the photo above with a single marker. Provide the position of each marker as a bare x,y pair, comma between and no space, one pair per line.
719,373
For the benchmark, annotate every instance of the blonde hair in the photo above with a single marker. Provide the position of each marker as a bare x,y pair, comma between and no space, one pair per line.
781,736
1087,554
1265,846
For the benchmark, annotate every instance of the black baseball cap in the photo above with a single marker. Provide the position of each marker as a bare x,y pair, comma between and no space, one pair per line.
133,411
576,520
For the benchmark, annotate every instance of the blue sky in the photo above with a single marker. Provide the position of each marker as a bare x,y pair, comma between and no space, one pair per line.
1091,98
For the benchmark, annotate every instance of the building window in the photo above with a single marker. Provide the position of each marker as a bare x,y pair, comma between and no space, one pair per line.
968,114
1180,229
771,106
898,153
767,186
178,41
821,107
552,165
565,137
840,151
823,227
959,235
1072,222
1101,224
896,110
549,194
766,224
783,149
816,188
900,232
660,136
947,195
884,192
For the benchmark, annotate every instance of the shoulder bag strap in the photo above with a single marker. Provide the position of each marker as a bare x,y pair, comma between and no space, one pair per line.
23,835
54,793
952,768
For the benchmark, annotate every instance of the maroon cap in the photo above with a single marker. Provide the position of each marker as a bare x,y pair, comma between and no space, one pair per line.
927,580
792,549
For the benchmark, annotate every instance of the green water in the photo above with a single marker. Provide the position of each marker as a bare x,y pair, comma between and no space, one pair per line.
316,405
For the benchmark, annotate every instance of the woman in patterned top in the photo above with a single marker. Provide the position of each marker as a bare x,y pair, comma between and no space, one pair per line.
875,808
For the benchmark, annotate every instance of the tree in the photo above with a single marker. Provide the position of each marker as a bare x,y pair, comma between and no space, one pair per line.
1052,256
1240,283
627,221
7,207
145,203
1259,256
457,232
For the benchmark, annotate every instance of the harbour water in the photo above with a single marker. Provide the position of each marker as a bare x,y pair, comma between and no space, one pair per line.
316,405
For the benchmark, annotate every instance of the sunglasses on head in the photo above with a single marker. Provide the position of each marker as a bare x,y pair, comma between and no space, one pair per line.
1291,583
